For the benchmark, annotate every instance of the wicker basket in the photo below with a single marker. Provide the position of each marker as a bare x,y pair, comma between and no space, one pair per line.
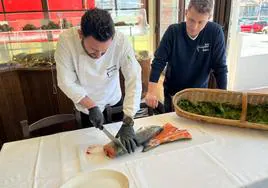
221,96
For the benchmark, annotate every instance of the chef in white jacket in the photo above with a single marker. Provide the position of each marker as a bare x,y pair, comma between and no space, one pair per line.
88,62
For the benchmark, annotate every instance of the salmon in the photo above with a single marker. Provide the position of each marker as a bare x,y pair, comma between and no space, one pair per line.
112,150
168,134
143,135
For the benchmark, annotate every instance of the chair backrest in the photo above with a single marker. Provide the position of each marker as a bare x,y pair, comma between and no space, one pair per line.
117,109
45,122
212,82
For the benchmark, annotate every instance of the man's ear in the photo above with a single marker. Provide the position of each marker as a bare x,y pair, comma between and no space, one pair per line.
210,15
80,34
186,12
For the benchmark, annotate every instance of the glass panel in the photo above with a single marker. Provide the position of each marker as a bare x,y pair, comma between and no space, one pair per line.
18,20
121,4
29,36
168,14
65,4
1,8
72,18
24,16
187,3
22,5
131,22
124,4
90,4
248,45
16,47
253,16
105,4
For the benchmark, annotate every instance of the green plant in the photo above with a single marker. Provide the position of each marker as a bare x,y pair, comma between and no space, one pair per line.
50,25
66,24
5,28
255,113
28,27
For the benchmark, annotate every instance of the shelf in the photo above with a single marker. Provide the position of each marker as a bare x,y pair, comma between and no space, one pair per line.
30,36
130,22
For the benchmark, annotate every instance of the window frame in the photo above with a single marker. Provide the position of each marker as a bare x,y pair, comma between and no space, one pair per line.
222,10
45,8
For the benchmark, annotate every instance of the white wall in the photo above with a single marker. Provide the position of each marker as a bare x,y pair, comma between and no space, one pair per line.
251,72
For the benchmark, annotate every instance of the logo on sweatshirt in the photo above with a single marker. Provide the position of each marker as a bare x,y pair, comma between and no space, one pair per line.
111,71
203,48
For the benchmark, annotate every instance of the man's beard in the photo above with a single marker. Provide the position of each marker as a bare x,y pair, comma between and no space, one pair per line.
83,45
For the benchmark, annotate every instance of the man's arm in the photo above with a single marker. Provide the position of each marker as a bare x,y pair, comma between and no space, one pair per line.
219,60
160,60
67,78
131,71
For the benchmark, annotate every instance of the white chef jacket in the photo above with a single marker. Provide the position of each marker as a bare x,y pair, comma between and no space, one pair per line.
79,75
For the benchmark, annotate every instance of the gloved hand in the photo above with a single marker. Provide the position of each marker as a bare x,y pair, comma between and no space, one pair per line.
127,134
96,117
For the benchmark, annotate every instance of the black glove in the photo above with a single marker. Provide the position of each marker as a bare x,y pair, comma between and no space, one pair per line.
96,117
127,135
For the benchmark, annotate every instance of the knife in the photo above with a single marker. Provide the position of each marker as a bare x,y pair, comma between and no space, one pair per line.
115,140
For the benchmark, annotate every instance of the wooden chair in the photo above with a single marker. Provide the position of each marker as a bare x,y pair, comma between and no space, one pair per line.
45,122
110,111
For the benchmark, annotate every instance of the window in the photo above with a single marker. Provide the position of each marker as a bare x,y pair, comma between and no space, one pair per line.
248,45
105,4
1,8
73,17
22,5
169,10
119,4
90,4
124,4
65,4
24,16
18,20
264,9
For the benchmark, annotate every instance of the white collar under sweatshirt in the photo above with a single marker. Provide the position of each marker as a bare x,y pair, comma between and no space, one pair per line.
79,75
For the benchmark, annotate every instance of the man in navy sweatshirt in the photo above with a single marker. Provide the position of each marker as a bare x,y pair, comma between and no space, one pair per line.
191,50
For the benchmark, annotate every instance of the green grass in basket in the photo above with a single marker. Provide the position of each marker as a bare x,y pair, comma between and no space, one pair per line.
212,109
258,113
255,113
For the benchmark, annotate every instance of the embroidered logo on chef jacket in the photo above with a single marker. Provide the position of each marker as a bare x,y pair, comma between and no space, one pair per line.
111,71
129,59
203,48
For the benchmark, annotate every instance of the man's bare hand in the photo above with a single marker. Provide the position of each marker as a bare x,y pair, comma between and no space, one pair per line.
87,102
151,100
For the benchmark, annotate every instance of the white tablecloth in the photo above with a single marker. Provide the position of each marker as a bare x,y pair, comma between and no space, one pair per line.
217,156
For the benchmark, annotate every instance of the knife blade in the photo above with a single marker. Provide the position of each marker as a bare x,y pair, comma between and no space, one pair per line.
115,140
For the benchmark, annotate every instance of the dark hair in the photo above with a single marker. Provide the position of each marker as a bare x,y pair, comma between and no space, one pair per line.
97,23
202,6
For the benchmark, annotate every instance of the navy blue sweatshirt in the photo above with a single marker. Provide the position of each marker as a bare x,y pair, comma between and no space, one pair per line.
189,62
